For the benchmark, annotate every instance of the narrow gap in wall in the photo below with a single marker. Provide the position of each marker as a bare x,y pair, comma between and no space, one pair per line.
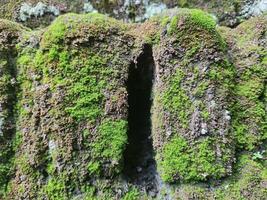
139,163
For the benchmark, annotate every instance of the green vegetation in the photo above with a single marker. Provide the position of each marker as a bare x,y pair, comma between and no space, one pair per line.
202,19
80,81
132,194
250,108
191,155
194,162
55,190
249,111
69,103
247,182
87,25
8,140
84,100
5,139
175,98
192,18
110,144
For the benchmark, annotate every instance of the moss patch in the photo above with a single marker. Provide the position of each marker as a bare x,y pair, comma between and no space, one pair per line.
197,161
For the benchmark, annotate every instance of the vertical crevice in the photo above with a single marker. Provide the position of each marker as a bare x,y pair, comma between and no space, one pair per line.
139,163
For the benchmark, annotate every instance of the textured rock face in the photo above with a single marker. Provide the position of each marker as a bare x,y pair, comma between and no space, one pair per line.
64,107
40,13
193,79
248,50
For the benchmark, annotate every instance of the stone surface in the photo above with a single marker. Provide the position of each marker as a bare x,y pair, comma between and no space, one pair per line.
40,13
64,107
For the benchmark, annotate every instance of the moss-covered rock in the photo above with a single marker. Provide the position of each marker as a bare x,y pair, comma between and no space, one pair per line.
193,82
74,97
248,50
64,107
40,13
9,36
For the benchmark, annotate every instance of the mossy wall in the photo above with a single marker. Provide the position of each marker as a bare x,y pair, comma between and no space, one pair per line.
192,100
9,36
73,95
64,107
248,50
228,12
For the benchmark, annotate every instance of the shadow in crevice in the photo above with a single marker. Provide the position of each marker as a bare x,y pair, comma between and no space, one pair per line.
139,163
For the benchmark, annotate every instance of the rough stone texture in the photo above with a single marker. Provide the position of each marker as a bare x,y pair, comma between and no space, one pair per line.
247,52
193,79
36,13
73,102
64,107
9,36
247,48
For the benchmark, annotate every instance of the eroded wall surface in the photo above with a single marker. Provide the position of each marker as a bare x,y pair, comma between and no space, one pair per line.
64,108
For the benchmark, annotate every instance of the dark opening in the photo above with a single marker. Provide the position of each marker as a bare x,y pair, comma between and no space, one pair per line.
139,163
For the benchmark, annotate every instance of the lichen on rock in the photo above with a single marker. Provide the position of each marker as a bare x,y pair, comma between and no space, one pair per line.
64,107
40,13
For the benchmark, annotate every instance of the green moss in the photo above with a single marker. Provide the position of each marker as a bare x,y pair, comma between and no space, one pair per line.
173,25
85,100
176,100
132,194
183,3
23,162
191,191
195,162
250,89
55,33
191,52
77,72
205,114
249,111
8,139
63,27
51,168
89,192
246,183
202,19
84,80
153,39
174,160
86,77
111,141
13,28
94,168
55,190
164,21
194,18
5,168
201,88
183,91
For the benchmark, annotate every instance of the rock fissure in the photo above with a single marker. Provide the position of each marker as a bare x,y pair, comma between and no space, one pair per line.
139,162
91,112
